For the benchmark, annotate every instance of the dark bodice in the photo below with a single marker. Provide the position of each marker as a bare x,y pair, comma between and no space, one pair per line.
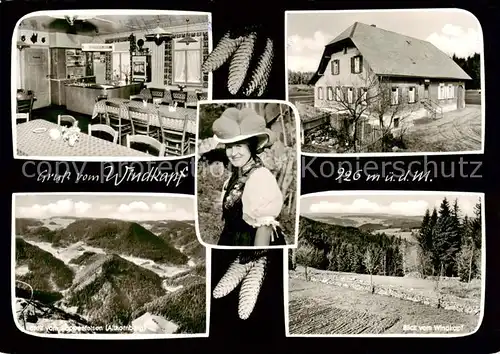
236,231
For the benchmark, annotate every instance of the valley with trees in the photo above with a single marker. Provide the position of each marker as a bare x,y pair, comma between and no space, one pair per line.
87,275
383,273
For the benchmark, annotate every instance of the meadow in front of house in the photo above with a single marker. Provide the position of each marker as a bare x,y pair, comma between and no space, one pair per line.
455,131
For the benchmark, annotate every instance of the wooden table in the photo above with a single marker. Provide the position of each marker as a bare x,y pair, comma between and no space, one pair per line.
171,120
30,143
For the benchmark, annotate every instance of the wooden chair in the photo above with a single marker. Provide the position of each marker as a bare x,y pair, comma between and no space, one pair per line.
146,140
141,125
156,93
191,141
24,108
22,118
114,120
104,128
66,120
180,97
102,117
139,98
174,140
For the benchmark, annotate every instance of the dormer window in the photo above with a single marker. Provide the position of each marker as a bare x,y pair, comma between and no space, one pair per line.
335,67
357,64
345,50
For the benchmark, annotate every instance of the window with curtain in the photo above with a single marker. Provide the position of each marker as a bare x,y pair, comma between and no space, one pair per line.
395,96
411,94
187,62
330,93
121,65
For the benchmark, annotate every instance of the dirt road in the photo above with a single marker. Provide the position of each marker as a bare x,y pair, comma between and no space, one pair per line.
317,308
456,131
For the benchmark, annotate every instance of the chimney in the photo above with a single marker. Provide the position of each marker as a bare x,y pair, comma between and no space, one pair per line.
373,25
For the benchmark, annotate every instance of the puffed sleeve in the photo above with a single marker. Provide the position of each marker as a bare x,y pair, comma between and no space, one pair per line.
262,199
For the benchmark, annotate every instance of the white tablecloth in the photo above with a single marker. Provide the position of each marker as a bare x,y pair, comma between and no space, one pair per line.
30,143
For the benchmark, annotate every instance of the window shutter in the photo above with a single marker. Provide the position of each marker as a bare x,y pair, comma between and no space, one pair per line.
352,65
354,95
332,67
344,94
360,64
400,95
416,93
338,67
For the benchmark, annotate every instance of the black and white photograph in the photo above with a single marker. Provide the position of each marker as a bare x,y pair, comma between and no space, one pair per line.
121,83
388,81
247,56
388,263
108,265
246,294
246,174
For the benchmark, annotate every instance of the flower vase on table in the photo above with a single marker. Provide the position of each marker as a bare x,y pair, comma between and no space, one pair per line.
69,135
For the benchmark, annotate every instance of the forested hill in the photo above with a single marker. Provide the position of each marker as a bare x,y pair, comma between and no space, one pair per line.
348,249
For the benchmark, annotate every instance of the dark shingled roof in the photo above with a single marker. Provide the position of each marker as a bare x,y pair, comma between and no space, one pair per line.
393,54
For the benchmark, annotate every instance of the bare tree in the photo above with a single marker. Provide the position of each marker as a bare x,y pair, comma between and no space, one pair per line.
371,262
371,98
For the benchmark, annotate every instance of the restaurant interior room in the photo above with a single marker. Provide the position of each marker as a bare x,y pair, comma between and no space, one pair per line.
112,85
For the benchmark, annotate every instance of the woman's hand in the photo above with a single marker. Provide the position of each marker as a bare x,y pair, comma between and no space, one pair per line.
206,145
263,236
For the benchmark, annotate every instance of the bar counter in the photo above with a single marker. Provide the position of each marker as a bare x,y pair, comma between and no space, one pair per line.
81,97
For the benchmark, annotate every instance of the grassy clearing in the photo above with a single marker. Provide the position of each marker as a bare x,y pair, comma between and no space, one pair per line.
425,287
300,90
373,313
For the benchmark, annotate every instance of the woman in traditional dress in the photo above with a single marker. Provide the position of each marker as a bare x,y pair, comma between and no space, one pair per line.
251,197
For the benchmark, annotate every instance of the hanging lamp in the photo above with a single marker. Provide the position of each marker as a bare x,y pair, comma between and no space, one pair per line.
157,35
187,39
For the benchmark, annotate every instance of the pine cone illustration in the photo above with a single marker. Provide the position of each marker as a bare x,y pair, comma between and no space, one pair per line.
260,74
234,275
250,288
249,269
240,63
221,53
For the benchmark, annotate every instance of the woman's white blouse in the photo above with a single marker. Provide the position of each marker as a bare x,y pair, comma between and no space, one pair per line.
262,199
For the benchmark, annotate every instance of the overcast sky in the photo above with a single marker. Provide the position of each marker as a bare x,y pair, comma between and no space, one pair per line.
131,207
393,204
452,31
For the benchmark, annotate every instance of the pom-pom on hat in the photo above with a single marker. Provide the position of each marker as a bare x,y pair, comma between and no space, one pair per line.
235,125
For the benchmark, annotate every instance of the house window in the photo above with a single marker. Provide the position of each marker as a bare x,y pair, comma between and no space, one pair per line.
357,64
411,95
396,122
442,92
345,50
335,67
121,65
394,95
338,94
320,93
329,92
451,93
350,95
187,62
